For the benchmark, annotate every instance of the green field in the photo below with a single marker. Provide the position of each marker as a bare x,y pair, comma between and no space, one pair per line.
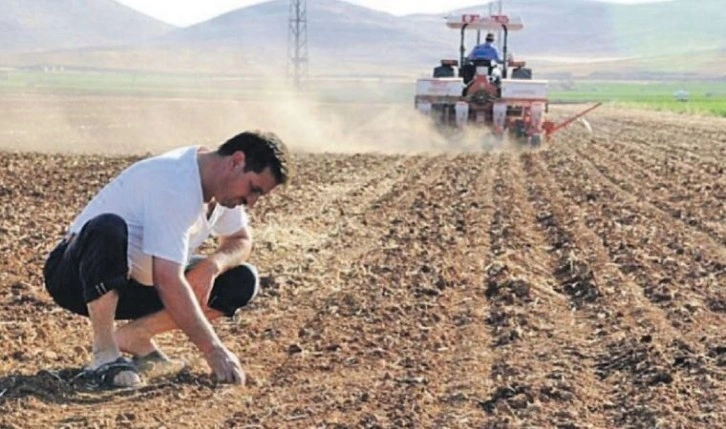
703,97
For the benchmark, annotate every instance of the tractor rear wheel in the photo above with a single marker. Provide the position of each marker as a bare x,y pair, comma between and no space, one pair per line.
522,73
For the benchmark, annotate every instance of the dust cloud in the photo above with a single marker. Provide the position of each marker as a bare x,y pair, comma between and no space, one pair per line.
143,125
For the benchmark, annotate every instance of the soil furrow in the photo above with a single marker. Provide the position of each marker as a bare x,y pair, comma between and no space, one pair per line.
702,152
687,357
331,296
689,136
648,241
519,287
618,311
704,211
468,361
687,255
367,292
665,164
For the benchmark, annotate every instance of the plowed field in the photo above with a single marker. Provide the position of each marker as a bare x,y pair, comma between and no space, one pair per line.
579,286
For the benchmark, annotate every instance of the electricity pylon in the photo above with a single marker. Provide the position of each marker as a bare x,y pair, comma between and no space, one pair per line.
297,43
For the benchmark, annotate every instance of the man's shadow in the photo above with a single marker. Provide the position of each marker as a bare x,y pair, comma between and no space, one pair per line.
68,386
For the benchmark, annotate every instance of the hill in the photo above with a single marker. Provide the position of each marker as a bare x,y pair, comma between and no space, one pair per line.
577,27
578,36
42,25
340,32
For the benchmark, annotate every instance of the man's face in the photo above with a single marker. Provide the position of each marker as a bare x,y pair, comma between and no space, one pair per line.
245,187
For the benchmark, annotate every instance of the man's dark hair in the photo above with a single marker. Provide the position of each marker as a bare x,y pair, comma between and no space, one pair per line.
262,150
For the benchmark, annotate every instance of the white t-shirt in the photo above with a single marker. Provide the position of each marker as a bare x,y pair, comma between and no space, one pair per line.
161,200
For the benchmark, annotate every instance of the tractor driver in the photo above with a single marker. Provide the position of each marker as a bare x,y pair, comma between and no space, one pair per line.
485,51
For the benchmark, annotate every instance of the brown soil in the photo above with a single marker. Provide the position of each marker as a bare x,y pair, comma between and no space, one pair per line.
579,286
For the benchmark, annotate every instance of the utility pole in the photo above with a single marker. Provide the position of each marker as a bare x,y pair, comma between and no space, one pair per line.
297,43
498,9
491,12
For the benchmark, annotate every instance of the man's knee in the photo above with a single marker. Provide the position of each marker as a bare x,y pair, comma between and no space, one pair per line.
234,289
100,250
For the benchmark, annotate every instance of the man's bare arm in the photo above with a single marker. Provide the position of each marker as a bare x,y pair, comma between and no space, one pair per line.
232,251
179,300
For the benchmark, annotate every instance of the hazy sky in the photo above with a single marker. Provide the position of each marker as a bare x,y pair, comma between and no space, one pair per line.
189,12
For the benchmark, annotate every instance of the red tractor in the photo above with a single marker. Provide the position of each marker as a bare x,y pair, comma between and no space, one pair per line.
499,95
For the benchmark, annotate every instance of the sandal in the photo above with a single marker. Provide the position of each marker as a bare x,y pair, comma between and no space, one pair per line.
103,376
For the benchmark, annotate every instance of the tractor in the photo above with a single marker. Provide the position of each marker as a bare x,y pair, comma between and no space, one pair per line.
500,96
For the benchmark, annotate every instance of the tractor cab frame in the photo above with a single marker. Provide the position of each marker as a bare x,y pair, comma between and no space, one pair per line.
467,23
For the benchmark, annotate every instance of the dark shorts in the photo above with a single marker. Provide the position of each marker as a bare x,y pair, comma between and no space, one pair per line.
90,264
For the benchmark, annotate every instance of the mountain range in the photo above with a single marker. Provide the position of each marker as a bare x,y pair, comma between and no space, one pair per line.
341,35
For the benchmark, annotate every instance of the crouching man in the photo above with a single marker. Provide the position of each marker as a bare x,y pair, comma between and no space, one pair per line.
127,255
